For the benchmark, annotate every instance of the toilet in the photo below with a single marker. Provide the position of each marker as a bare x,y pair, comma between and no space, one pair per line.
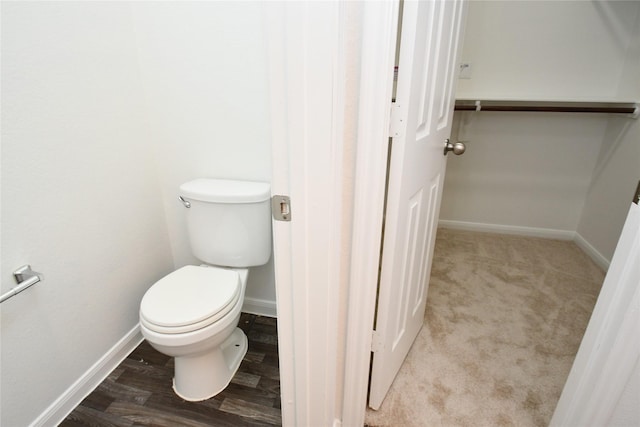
192,313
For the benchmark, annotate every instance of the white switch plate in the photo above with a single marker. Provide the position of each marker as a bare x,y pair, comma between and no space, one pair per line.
465,71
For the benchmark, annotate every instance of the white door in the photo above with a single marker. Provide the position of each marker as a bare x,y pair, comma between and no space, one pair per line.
594,393
421,122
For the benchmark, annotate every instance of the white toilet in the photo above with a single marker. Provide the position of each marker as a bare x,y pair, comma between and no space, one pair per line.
192,314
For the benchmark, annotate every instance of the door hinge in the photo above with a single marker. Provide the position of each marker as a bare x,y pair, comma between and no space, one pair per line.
396,123
281,208
636,198
376,342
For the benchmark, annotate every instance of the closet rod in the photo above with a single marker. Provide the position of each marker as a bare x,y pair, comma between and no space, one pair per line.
548,106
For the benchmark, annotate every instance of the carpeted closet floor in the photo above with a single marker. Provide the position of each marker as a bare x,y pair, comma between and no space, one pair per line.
505,316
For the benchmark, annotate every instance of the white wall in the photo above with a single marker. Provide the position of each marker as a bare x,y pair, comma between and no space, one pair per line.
535,170
614,182
80,197
204,71
618,169
523,170
106,109
546,49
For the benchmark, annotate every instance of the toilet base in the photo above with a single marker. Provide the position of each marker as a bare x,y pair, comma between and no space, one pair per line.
202,376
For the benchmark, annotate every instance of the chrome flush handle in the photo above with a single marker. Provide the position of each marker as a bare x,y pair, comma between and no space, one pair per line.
184,202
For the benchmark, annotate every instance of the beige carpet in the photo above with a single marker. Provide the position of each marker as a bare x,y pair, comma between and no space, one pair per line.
505,316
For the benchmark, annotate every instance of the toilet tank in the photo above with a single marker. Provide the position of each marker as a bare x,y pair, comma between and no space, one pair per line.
228,222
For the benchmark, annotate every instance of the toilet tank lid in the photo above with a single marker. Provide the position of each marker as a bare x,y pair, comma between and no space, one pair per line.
226,191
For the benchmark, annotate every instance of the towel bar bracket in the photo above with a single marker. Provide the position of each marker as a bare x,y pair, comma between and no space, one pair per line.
25,277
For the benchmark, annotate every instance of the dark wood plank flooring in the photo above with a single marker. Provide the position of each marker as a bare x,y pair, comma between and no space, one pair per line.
138,392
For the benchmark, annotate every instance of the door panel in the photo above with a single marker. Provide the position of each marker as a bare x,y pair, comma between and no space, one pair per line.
598,385
424,102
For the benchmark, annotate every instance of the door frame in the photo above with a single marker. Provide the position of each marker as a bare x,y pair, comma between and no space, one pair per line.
307,45
313,82
379,34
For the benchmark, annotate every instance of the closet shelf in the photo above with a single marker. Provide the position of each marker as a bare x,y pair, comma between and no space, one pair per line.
632,108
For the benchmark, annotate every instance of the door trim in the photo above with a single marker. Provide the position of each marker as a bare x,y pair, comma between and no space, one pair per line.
306,46
379,30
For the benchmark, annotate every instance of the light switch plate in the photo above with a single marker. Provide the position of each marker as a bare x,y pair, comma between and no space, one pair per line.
465,71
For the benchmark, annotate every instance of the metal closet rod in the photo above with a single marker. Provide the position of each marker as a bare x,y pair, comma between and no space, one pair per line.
632,108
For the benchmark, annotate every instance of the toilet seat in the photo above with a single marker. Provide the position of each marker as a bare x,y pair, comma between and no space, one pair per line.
189,299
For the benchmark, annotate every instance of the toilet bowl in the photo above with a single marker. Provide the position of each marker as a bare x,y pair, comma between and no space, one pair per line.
192,315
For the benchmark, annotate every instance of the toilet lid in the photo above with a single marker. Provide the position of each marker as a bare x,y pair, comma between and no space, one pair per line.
190,295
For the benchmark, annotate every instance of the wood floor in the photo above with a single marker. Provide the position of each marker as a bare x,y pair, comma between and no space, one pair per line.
138,392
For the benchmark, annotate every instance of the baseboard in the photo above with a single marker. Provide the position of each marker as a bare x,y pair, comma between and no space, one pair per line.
91,379
260,307
545,233
596,256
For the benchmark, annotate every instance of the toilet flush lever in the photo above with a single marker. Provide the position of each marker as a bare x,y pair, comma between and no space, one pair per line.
184,202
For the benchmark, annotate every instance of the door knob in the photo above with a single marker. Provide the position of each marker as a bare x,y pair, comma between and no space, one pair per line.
457,147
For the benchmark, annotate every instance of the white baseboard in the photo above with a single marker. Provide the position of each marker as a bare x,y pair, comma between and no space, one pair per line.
596,256
260,307
91,379
545,233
